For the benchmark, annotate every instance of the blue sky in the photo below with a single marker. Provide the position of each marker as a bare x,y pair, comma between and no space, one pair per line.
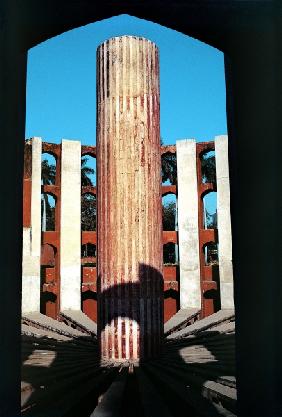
61,78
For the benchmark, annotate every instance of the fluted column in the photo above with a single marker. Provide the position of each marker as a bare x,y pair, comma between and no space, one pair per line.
130,281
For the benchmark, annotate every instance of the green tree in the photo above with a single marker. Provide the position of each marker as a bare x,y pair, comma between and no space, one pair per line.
88,201
88,212
169,167
85,172
48,173
48,176
169,211
169,172
208,168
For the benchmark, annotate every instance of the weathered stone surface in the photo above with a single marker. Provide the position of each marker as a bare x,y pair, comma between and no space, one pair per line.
70,226
32,237
224,222
130,281
190,285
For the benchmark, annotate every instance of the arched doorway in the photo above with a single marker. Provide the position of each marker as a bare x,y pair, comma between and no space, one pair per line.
227,27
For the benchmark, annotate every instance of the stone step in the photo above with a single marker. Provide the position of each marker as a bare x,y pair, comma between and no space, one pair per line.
33,339
225,327
185,397
206,323
33,331
210,389
80,320
180,320
202,337
47,323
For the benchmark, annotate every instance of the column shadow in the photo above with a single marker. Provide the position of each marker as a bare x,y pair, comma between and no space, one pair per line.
75,375
140,301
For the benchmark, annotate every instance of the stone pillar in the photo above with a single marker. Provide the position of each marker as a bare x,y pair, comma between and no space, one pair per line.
32,237
188,231
224,222
70,261
130,294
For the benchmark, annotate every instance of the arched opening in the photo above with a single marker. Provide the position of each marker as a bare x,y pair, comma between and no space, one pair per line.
210,281
211,253
169,168
48,279
48,253
210,210
89,304
48,303
88,212
88,171
246,76
169,205
171,301
88,250
168,228
48,169
89,279
48,208
169,254
208,168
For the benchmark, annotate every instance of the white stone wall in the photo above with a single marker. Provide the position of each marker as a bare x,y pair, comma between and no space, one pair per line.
70,268
188,232
224,222
32,238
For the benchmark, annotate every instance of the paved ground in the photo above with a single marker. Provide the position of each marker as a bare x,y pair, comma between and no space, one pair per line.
195,376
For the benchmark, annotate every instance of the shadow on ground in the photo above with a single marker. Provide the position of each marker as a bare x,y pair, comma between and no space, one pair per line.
63,378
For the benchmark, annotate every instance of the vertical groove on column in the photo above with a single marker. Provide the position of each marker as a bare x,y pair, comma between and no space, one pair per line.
129,195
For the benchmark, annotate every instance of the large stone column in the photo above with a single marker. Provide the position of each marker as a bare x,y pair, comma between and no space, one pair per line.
130,281
70,262
188,230
32,237
224,222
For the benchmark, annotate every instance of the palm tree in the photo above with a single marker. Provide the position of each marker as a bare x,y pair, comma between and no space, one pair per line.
85,171
88,212
48,175
169,167
208,167
88,201
169,172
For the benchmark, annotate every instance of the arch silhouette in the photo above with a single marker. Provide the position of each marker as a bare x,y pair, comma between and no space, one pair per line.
234,28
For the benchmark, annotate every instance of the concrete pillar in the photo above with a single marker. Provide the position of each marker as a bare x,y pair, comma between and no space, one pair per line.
224,222
130,295
32,238
188,231
70,261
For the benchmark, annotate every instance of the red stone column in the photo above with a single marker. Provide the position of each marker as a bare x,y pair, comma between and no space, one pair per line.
130,280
